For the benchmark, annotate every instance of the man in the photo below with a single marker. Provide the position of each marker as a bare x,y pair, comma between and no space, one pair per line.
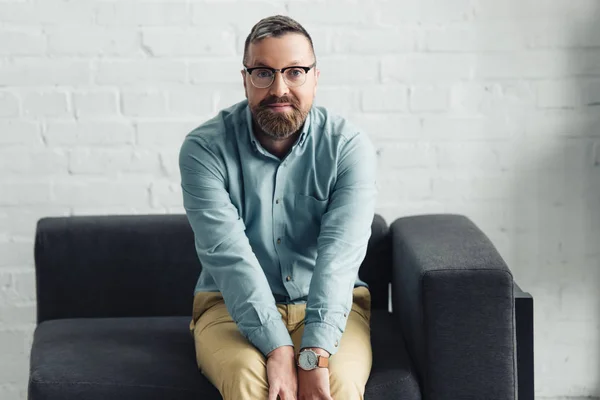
280,196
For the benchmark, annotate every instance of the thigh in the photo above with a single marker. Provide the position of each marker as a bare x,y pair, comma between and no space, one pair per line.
350,366
229,361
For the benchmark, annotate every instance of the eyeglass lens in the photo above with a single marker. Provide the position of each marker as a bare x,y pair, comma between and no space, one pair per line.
263,78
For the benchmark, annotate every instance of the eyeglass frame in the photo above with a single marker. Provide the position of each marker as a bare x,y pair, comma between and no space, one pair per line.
281,71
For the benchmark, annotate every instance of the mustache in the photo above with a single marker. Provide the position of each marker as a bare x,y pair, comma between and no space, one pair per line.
278,100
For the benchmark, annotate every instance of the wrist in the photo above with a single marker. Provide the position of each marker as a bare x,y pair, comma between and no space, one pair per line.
282,351
318,350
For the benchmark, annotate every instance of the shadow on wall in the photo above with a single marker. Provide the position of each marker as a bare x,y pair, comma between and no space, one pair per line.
556,207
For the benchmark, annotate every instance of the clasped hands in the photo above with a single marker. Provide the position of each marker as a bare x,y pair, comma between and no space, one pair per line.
289,382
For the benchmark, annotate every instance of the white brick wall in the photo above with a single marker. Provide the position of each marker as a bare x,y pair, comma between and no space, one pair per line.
481,107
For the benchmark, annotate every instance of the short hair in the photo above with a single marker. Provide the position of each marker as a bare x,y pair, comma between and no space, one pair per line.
274,26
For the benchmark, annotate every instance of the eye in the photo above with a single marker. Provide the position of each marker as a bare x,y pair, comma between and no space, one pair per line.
295,72
263,73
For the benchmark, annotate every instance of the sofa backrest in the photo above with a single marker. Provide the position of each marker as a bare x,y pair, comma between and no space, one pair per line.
141,265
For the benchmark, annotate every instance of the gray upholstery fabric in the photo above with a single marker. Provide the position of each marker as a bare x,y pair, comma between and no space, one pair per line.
105,266
454,295
153,358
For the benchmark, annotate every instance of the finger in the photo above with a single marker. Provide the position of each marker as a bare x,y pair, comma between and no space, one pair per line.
273,392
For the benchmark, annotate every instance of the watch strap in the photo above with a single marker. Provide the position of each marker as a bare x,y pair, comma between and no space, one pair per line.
323,362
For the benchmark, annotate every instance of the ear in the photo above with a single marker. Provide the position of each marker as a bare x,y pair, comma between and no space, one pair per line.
317,74
244,82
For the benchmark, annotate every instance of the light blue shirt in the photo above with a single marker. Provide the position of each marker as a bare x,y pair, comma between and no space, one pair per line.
270,230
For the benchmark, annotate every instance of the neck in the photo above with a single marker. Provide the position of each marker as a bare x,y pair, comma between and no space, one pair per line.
277,147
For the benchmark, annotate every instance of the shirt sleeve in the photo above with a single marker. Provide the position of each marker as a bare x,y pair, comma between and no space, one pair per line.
342,245
224,249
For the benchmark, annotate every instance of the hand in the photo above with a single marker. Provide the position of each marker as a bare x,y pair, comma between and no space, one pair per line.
314,384
281,374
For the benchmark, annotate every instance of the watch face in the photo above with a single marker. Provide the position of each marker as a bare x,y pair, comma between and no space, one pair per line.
308,360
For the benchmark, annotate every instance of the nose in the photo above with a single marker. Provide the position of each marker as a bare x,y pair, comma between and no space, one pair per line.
278,87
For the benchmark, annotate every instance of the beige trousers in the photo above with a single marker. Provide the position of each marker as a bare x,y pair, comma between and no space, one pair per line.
238,369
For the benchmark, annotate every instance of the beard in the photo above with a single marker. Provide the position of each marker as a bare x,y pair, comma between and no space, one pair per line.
279,125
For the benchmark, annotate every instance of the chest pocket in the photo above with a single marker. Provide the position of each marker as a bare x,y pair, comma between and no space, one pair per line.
306,226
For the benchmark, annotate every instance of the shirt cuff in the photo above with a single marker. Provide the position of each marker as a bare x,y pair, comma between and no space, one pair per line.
270,336
322,335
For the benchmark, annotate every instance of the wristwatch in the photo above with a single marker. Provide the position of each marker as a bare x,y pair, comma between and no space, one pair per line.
308,359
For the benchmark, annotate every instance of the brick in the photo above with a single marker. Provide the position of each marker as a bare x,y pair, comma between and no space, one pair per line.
89,133
33,162
24,193
561,123
489,187
24,285
526,65
191,102
134,72
147,103
48,13
12,342
469,128
100,193
353,14
214,42
405,156
142,13
93,41
45,104
243,17
560,94
477,37
388,126
216,71
385,98
166,135
95,103
338,99
428,98
113,161
169,164
16,254
469,156
12,391
530,9
166,194
14,367
493,99
348,70
39,72
400,189
427,67
408,11
373,41
20,133
9,105
20,222
17,43
227,96
591,93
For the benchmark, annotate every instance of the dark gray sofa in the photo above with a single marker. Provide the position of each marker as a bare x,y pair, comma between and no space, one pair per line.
114,298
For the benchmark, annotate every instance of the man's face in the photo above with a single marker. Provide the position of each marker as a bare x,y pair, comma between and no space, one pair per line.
280,110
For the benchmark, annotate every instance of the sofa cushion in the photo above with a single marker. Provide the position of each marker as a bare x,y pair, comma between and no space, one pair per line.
153,358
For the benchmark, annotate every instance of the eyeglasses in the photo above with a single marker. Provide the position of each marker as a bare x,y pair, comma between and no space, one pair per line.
263,77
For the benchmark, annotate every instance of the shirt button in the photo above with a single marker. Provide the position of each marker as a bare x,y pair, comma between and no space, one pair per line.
336,343
278,241
345,315
277,201
288,278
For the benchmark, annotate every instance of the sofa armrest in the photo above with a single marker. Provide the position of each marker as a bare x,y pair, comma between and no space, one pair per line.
454,297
